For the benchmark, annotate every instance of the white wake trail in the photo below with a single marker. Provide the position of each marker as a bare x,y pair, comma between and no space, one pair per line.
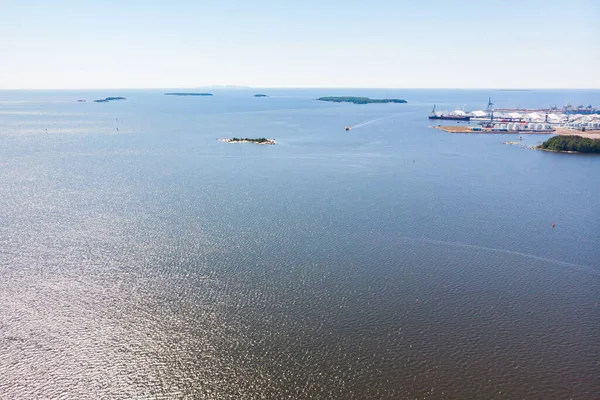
366,123
370,121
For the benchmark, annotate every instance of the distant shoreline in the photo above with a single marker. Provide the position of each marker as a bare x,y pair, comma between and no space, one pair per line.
359,100
248,140
187,94
106,100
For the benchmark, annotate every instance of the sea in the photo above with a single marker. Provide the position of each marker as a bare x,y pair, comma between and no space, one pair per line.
142,258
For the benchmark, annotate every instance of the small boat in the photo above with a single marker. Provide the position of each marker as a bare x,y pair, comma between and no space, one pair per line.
520,137
347,128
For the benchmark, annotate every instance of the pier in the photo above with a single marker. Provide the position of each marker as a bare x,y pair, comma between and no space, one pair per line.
479,129
563,131
581,120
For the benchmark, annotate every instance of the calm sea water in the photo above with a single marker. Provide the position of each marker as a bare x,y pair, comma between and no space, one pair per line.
393,261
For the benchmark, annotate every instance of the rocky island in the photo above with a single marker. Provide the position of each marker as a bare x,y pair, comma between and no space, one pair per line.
360,100
108,99
571,144
260,95
188,94
248,140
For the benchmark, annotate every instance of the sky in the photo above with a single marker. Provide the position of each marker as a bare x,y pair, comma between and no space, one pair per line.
85,44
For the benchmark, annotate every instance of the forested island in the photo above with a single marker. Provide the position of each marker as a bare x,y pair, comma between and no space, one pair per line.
106,100
360,100
249,140
571,144
260,95
188,94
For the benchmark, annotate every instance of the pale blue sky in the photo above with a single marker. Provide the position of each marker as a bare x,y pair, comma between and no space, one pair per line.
310,43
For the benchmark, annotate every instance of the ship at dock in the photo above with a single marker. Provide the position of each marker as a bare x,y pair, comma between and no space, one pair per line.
457,115
568,120
581,110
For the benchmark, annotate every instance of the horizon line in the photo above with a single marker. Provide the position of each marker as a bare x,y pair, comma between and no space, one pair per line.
306,87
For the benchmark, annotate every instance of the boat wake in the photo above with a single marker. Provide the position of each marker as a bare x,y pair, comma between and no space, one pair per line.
578,267
370,121
366,122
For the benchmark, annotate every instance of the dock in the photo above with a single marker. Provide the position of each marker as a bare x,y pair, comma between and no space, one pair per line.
478,129
563,131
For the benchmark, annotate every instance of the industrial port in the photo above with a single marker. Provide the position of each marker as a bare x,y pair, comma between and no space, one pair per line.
568,120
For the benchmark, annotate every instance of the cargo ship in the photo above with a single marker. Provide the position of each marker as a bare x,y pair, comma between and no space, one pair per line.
451,117
589,110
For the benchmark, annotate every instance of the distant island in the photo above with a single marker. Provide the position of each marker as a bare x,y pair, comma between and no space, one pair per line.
188,94
229,86
106,100
360,100
514,90
248,140
260,95
571,144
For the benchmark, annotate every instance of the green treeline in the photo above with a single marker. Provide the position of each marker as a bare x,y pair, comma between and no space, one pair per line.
259,140
360,100
572,143
188,94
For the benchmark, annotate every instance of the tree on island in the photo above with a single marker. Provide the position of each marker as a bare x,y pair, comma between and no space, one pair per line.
259,140
359,100
572,143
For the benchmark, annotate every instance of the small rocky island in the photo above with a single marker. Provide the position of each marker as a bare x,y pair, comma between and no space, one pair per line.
108,99
188,94
360,100
571,144
248,140
260,95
